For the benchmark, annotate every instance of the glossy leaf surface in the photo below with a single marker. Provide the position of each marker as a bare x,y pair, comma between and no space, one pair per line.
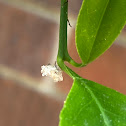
99,23
91,104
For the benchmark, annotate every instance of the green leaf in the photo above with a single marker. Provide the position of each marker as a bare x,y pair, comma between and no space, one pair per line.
99,23
91,104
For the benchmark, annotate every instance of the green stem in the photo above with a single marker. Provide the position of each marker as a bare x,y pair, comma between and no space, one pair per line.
63,52
63,35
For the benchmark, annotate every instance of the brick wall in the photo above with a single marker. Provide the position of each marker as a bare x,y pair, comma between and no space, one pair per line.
29,39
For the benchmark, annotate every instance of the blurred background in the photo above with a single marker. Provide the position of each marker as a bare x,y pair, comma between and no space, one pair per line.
28,39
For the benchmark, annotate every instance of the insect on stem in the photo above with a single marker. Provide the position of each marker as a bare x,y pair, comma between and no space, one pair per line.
69,23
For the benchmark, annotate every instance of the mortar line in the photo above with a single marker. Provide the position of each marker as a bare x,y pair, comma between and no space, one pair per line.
39,10
29,82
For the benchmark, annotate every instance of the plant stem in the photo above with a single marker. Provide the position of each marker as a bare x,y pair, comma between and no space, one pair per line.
63,52
63,30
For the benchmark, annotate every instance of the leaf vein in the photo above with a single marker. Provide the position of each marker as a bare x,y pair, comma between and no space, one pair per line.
99,105
98,28
83,108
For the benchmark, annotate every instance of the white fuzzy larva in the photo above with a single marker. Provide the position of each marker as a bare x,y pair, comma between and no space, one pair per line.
52,71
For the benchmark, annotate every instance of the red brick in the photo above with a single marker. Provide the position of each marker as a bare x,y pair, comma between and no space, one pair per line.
25,40
74,6
23,107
